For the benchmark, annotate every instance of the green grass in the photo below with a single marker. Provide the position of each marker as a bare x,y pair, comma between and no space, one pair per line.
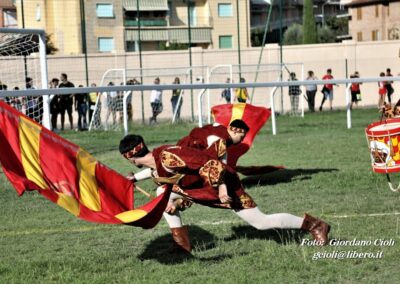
328,174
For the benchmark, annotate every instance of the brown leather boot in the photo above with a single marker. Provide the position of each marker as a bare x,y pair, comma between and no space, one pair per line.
181,239
318,229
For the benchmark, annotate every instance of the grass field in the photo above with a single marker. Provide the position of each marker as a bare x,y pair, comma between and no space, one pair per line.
328,174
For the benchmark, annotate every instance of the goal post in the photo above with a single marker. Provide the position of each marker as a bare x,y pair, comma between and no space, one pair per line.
22,56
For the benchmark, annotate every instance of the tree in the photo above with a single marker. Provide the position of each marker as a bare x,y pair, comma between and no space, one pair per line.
293,35
50,48
309,26
326,35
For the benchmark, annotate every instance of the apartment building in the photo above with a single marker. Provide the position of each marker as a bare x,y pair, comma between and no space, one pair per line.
118,25
292,13
8,14
373,20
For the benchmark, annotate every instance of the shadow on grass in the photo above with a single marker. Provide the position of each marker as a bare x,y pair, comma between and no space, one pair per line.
160,250
280,236
283,176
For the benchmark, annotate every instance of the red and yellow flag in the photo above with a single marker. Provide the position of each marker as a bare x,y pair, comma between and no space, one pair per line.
254,116
35,159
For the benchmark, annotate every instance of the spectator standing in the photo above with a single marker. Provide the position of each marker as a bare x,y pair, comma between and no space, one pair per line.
327,90
54,104
4,87
388,86
129,98
176,100
294,93
32,102
111,102
16,101
92,102
382,91
355,90
311,90
241,93
66,101
81,108
156,102
226,93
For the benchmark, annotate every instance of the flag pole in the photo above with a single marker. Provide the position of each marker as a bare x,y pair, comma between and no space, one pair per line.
144,192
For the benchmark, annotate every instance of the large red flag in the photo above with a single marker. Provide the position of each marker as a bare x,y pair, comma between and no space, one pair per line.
254,116
34,158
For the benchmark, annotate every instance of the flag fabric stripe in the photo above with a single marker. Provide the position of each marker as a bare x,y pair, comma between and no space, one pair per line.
34,158
237,111
88,188
131,216
10,153
69,203
29,135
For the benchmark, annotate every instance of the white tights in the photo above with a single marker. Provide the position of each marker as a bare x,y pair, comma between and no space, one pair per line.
261,221
252,216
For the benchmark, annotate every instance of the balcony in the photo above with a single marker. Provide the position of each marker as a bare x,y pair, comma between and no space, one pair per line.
146,23
180,35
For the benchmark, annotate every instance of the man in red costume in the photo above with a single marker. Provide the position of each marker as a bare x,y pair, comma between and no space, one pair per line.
198,174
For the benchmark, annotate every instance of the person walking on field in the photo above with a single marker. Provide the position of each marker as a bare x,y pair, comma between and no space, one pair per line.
355,90
388,86
294,93
54,104
382,91
81,107
327,90
176,100
311,90
242,95
156,102
226,93
66,101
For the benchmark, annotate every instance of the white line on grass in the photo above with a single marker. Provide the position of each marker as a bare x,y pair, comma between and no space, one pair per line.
205,223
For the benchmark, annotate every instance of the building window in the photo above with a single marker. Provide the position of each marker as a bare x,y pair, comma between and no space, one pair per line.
359,36
225,10
225,41
106,44
104,11
130,46
10,18
359,13
376,11
375,35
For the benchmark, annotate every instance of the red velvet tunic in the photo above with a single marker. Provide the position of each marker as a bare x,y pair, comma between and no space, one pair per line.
185,167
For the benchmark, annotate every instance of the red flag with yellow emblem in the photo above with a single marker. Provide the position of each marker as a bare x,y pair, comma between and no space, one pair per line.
35,159
254,116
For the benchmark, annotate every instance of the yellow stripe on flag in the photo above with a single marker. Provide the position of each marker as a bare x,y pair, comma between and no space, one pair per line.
131,216
29,137
69,203
237,111
88,189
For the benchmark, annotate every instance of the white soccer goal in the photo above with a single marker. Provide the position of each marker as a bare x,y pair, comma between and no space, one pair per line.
23,66
113,110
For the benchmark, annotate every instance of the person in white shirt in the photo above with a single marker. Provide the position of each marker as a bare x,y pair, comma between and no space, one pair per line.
156,102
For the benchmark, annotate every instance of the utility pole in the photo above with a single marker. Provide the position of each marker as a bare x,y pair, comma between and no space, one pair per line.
83,34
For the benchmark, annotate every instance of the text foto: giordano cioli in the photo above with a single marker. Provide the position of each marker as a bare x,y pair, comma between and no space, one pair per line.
351,243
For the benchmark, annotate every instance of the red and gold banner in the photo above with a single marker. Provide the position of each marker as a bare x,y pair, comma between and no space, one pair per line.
254,116
35,159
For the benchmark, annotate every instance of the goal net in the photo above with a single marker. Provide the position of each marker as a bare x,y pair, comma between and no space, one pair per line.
23,67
